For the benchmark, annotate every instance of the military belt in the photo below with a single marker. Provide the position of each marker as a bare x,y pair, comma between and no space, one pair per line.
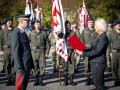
33,48
115,50
36,48
87,45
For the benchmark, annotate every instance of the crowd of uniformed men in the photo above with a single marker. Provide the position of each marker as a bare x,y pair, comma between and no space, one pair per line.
42,42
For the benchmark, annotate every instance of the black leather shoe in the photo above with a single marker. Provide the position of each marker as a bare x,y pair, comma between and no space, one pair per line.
13,83
2,71
65,84
116,83
36,83
8,83
65,80
71,81
41,80
88,83
41,84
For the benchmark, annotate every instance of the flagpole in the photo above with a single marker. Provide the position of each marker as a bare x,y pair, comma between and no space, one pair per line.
59,69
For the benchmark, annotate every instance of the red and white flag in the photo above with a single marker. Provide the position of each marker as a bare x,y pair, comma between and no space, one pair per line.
58,26
83,16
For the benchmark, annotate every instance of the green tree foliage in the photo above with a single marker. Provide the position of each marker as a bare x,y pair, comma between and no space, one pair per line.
108,9
11,8
46,12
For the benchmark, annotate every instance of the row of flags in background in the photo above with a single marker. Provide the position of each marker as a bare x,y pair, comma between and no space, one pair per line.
29,10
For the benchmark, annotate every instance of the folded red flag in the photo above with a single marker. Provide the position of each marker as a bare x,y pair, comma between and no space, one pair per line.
19,82
76,43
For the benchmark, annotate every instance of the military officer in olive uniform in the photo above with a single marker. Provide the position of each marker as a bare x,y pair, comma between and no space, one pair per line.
87,36
1,53
40,48
21,52
110,28
6,49
114,45
53,51
68,67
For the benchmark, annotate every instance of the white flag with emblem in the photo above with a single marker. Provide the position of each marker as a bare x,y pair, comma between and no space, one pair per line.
58,26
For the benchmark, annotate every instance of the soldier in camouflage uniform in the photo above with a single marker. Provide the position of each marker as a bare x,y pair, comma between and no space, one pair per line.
3,27
1,54
114,46
74,28
6,51
53,51
110,28
69,67
39,47
87,36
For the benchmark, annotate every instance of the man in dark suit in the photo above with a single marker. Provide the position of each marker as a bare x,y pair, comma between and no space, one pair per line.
21,51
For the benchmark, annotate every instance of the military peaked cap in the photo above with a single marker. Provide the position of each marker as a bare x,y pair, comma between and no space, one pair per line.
25,17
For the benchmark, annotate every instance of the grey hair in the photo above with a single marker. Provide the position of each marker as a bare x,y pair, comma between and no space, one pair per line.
19,19
101,23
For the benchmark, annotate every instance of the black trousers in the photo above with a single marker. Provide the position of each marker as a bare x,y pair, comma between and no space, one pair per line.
97,72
